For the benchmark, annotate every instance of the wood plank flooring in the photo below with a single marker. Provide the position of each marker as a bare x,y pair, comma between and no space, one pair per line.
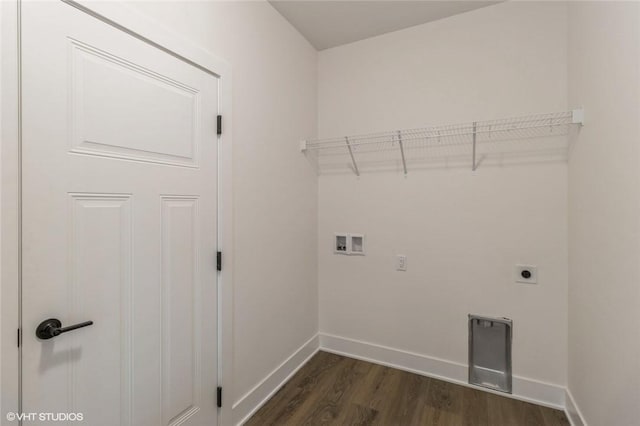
335,390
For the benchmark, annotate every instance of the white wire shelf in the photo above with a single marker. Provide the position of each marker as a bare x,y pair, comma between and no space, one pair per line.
458,140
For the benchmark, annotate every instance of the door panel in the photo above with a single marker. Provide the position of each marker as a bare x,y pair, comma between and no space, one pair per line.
123,110
181,337
100,287
119,224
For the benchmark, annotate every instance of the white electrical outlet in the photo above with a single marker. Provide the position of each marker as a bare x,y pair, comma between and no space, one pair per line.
401,262
527,274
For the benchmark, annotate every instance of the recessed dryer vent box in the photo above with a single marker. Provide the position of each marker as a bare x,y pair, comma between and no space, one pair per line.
490,352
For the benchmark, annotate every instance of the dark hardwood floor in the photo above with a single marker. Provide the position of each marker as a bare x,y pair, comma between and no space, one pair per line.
335,390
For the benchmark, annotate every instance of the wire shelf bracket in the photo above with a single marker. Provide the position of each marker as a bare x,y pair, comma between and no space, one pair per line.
473,133
353,159
404,161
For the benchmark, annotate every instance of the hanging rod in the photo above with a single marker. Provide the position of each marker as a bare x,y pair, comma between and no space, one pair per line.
523,127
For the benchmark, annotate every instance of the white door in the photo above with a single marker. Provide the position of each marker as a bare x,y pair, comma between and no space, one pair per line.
119,225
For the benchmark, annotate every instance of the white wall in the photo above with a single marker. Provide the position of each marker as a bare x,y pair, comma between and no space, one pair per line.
275,191
604,213
463,232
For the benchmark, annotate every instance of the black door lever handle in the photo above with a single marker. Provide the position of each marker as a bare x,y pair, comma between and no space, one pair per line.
53,327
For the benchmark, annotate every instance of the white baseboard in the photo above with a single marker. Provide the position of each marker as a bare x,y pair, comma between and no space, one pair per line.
248,404
573,412
524,389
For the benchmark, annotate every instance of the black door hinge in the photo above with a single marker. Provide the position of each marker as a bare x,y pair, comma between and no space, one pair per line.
18,337
219,125
219,396
219,259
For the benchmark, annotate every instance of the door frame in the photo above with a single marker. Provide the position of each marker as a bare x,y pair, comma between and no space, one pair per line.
138,25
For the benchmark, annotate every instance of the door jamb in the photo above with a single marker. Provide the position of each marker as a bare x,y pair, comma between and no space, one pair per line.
9,209
133,22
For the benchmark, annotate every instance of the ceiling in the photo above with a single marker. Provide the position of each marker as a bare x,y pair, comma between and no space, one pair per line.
328,23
